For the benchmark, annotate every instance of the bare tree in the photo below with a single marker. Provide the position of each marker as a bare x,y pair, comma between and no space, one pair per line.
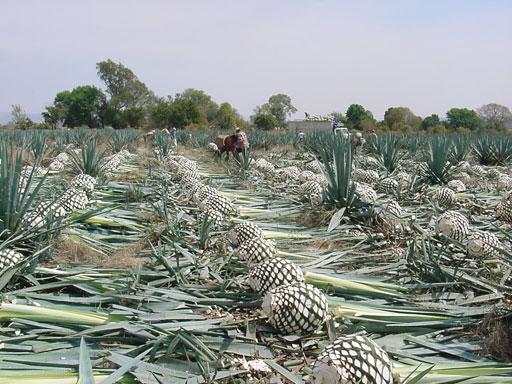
495,116
20,120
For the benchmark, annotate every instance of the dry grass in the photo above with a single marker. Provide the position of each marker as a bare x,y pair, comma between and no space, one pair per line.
143,147
71,251
128,176
496,333
314,218
324,245
285,149
127,256
147,216
198,154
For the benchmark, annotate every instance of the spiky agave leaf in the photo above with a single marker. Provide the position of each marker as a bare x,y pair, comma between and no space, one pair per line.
460,149
89,160
207,222
244,161
340,191
437,168
38,146
15,202
493,150
502,149
121,139
82,135
51,314
163,145
387,148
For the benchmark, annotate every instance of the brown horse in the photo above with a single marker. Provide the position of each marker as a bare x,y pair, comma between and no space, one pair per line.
226,144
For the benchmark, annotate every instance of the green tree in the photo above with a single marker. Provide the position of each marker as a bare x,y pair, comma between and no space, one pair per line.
159,113
340,116
356,114
401,119
430,121
53,116
464,118
369,125
264,121
192,107
495,116
20,120
279,106
133,117
183,112
227,116
206,107
127,93
81,106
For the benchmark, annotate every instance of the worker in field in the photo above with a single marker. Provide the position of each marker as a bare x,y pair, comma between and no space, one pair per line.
358,142
241,140
148,135
335,123
174,138
373,135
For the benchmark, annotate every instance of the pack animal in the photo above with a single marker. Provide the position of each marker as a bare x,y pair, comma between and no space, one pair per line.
226,144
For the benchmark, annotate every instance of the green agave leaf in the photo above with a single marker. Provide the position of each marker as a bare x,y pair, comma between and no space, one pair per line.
85,374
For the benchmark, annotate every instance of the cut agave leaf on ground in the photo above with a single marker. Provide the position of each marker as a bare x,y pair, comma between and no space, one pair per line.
50,315
158,301
336,219
85,373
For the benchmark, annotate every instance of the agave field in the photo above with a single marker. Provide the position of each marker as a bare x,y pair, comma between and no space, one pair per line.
312,261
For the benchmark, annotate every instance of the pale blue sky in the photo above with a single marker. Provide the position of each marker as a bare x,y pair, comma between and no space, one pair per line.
427,55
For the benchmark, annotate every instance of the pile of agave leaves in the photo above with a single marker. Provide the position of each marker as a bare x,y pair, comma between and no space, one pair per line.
183,313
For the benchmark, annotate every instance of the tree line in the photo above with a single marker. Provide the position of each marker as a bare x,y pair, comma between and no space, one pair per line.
128,102
491,116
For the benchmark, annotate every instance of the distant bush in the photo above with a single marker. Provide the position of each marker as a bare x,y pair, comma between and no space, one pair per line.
264,121
440,128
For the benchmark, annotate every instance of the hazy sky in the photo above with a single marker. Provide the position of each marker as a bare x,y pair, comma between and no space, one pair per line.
427,55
